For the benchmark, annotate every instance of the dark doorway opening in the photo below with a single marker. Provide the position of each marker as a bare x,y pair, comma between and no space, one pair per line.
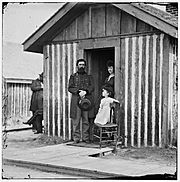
97,60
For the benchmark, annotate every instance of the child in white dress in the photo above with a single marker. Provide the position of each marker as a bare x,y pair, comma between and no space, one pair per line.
103,115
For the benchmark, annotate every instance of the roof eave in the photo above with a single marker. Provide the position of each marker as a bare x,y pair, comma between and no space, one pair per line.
54,25
150,19
34,42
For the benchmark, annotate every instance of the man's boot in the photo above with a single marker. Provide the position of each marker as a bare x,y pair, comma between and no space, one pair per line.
30,121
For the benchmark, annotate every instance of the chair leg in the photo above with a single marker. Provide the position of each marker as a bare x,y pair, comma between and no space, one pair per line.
91,129
100,142
115,141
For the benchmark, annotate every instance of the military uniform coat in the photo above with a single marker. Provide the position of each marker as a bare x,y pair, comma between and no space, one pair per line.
80,82
37,96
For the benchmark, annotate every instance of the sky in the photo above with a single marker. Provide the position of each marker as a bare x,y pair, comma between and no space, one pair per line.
21,20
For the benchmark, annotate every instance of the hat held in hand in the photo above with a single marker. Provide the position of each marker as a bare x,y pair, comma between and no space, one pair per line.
84,104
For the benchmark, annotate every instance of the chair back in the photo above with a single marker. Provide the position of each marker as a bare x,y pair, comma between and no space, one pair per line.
114,112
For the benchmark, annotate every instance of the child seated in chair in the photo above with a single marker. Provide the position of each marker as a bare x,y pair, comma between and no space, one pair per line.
103,115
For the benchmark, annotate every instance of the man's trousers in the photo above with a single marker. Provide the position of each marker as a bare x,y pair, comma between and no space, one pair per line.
85,125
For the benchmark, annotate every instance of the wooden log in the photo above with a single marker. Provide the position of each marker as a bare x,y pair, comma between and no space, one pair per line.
122,87
53,89
150,91
140,43
50,91
63,90
157,84
133,72
146,92
126,90
165,86
118,81
56,89
153,88
45,89
170,94
70,65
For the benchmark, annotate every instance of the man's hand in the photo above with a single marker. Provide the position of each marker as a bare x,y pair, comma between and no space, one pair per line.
82,93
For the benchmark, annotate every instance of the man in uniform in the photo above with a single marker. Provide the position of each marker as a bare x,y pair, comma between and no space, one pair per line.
36,105
80,85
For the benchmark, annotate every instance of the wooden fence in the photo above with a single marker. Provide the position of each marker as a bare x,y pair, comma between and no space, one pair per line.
18,98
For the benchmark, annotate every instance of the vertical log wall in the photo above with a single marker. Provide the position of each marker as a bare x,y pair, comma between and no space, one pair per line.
59,64
146,90
173,94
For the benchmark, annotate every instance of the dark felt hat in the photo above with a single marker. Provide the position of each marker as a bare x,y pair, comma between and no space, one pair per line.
84,104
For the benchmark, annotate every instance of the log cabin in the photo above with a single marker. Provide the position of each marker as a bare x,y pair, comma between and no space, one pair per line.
142,42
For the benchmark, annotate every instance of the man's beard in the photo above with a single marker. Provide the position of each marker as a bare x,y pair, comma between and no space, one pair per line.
81,70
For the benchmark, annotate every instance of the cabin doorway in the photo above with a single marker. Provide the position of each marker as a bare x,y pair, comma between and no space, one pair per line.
97,59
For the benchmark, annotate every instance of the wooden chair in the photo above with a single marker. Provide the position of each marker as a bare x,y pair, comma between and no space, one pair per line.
108,133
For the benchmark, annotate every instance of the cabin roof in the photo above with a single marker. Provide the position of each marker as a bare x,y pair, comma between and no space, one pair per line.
164,16
159,19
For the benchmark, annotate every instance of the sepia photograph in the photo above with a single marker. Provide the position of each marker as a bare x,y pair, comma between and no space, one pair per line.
89,90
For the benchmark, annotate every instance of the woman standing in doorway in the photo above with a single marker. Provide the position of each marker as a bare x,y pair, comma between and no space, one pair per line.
109,81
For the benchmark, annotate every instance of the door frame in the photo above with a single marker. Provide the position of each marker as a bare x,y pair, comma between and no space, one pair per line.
114,42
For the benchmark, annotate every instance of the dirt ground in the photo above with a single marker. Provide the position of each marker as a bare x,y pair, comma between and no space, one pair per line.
167,156
26,139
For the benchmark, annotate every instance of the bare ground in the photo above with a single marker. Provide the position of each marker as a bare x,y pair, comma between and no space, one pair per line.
26,139
167,156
